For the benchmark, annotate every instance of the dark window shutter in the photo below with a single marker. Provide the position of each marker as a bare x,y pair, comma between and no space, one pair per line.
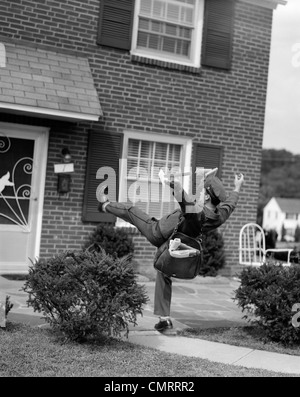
104,150
115,23
207,156
218,33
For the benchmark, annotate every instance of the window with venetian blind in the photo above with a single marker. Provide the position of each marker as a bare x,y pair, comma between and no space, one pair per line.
144,160
139,181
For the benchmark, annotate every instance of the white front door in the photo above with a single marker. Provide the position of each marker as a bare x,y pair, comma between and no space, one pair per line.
23,159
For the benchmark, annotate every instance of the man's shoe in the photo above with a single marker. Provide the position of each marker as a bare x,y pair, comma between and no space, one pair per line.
163,325
102,197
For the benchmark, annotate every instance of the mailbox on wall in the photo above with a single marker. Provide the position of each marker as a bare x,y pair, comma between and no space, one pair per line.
64,183
64,170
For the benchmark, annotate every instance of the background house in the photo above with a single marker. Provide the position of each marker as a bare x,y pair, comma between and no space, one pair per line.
151,83
282,212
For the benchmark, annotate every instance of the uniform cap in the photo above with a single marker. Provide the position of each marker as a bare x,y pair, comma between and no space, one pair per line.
215,189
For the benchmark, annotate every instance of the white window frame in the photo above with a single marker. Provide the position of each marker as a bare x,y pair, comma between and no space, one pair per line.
186,144
196,41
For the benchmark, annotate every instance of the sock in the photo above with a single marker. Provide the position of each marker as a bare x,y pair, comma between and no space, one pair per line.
164,318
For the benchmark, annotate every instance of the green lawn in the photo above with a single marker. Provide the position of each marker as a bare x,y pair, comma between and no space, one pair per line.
33,352
247,336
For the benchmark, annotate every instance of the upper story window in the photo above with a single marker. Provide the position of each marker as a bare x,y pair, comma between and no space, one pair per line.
182,33
169,30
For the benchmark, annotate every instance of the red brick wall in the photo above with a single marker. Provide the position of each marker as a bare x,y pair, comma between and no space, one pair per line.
215,107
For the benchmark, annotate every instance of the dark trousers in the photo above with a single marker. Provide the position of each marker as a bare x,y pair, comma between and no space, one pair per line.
156,232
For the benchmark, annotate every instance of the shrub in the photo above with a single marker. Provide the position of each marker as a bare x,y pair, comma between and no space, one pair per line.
114,241
268,293
295,256
297,234
213,253
8,305
85,294
283,233
271,236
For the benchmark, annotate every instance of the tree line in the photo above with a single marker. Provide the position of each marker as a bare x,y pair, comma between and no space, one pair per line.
280,177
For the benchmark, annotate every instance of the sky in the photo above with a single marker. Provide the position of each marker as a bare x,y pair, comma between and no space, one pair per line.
282,120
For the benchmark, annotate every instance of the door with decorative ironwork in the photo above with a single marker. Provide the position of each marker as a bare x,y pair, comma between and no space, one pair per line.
23,157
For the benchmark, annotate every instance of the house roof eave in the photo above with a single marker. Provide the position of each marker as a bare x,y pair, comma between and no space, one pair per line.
47,113
272,4
46,83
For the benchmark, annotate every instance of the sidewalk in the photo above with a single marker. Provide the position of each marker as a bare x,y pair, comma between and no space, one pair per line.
203,302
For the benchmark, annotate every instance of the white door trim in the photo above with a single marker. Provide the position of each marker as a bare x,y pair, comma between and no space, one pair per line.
41,138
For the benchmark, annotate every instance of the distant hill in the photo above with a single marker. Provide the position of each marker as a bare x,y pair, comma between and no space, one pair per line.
280,177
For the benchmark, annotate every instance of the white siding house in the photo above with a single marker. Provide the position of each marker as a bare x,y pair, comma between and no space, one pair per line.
280,212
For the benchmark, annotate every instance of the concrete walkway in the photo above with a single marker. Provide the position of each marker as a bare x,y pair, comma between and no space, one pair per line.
203,302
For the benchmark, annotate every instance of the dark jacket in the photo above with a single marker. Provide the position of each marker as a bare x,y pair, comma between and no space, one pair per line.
208,220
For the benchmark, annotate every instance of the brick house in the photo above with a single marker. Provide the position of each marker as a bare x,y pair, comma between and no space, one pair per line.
169,82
